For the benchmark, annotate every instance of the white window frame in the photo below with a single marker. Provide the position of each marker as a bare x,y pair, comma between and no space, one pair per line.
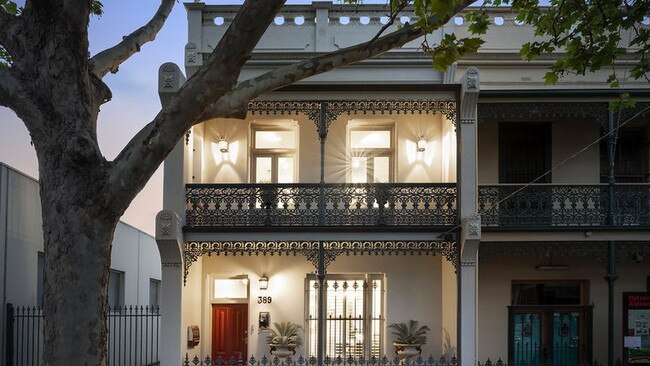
158,285
370,153
311,294
120,295
274,154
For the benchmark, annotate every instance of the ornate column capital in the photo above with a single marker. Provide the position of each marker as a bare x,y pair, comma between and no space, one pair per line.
169,237
470,88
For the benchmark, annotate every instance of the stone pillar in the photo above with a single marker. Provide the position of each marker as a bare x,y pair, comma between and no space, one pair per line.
169,234
468,292
169,239
170,79
471,224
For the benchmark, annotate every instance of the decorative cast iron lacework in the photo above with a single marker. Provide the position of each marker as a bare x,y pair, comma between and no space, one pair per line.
329,361
626,252
333,109
502,112
544,205
345,205
310,249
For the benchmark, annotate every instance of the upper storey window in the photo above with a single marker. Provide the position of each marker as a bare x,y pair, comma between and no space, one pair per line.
524,152
274,153
371,152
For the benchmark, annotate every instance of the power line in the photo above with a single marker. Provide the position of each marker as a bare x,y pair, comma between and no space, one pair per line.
598,140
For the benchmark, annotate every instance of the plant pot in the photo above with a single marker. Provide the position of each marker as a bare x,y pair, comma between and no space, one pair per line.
283,351
407,350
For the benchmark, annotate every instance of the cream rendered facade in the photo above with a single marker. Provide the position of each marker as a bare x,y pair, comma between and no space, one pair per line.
220,221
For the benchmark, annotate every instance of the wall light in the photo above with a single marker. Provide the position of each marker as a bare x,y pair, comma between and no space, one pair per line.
223,145
422,144
264,282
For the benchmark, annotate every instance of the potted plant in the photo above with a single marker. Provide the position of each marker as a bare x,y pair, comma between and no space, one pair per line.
409,338
284,339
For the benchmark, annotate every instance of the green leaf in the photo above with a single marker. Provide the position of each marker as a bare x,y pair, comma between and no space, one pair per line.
478,22
551,77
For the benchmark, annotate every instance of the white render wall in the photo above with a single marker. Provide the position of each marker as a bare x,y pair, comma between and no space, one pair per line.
21,240
438,164
414,290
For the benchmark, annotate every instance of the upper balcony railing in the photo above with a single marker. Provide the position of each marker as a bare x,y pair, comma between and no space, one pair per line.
428,206
569,206
274,206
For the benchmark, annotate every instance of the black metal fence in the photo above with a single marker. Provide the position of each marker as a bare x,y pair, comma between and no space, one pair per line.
133,336
353,361
327,361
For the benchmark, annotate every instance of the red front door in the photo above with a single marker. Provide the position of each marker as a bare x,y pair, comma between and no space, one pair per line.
230,331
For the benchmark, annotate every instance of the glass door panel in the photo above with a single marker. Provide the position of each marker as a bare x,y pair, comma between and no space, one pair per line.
285,170
359,169
263,169
566,338
381,169
527,339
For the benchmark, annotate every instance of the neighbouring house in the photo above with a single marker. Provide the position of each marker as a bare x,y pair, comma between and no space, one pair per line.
135,278
387,191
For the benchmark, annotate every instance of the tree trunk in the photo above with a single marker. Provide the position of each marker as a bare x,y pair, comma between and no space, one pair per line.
76,278
78,233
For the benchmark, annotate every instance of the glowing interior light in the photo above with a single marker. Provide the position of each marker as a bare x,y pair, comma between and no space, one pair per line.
422,144
223,145
231,288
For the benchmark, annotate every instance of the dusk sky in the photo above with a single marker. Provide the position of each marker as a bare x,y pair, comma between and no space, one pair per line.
135,98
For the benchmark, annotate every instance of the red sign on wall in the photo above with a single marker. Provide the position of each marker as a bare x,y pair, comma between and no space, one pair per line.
636,328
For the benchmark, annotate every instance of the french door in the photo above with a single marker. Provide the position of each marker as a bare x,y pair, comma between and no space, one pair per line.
549,335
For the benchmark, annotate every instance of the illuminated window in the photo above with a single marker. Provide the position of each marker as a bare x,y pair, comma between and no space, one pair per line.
371,153
231,288
274,153
354,311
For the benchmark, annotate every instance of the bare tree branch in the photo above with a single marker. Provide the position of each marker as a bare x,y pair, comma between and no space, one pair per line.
111,58
144,153
394,12
234,103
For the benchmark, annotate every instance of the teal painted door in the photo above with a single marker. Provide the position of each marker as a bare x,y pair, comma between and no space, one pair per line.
548,336
527,338
565,347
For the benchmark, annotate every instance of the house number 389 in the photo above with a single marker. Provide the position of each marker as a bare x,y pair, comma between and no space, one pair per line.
264,299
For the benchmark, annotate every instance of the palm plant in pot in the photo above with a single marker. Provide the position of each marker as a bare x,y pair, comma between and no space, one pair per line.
409,338
284,339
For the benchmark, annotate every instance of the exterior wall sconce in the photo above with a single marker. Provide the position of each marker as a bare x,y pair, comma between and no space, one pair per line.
264,282
223,145
422,144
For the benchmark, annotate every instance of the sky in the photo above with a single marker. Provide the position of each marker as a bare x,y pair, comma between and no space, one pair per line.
135,98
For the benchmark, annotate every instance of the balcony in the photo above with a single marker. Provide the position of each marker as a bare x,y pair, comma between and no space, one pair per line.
428,206
540,206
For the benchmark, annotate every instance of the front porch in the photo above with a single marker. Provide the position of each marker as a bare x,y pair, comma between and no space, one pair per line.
365,286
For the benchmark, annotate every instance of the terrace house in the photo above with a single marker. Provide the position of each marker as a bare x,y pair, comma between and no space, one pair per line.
387,191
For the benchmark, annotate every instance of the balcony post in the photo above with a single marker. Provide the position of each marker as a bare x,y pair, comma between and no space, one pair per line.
178,167
470,235
611,245
169,240
321,125
322,137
